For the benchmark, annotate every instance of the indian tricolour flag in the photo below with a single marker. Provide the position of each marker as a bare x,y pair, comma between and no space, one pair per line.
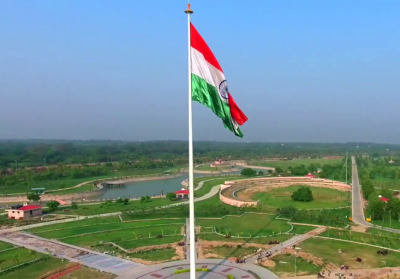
209,86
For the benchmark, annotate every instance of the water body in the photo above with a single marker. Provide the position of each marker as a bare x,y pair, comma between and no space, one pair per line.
154,187
149,188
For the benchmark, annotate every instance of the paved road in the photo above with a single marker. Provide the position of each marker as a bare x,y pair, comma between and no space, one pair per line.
357,205
356,200
72,253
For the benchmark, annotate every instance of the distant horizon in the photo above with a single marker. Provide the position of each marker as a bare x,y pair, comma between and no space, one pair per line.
182,140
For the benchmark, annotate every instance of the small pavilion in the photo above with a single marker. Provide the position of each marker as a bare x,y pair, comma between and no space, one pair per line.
310,175
182,194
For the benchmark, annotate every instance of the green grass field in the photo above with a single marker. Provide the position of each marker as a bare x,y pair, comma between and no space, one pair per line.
294,163
34,270
286,264
129,235
323,198
249,225
94,209
378,240
328,249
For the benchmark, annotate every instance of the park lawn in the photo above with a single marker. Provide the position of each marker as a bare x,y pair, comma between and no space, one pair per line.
109,228
295,163
286,264
328,217
328,249
101,208
299,229
121,235
5,246
74,224
17,256
323,198
247,225
135,243
384,241
155,255
259,240
35,270
226,252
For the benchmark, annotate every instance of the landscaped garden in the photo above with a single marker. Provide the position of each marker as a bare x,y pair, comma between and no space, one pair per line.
286,264
323,198
16,262
340,252
378,239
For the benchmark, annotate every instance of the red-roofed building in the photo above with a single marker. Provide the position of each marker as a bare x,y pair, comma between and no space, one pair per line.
310,175
182,194
384,199
25,212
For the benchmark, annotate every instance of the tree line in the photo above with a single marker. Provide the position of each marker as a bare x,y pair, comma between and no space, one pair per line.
30,153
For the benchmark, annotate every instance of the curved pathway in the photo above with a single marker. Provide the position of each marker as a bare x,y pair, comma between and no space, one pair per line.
219,269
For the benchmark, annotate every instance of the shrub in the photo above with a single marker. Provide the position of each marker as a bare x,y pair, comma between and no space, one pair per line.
230,276
248,172
159,236
303,194
171,196
74,205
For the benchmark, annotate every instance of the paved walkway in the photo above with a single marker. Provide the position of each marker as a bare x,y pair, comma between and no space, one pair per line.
289,243
357,203
72,253
219,269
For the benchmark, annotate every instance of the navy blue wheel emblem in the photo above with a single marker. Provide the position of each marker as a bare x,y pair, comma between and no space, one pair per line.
223,90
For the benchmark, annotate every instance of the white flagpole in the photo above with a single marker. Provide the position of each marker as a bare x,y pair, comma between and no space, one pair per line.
192,236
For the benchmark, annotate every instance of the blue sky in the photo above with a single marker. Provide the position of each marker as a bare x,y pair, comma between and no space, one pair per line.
307,70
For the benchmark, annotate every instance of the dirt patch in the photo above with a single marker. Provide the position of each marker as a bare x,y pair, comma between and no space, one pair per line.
358,229
267,263
183,230
180,253
204,246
